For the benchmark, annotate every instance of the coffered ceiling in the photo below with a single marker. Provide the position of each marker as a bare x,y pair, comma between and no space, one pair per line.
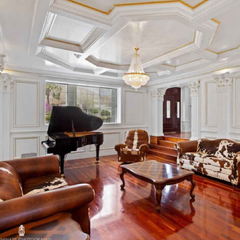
96,39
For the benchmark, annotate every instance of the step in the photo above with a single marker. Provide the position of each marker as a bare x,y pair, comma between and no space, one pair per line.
166,143
175,139
164,148
163,154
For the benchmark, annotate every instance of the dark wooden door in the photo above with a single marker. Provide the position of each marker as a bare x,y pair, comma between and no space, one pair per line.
172,110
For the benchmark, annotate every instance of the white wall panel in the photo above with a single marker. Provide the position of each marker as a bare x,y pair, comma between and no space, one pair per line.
211,104
236,104
26,112
110,140
134,107
26,145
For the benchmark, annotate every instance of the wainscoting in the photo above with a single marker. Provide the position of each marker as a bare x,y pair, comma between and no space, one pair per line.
28,128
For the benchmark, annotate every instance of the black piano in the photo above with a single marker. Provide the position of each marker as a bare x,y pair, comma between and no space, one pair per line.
69,129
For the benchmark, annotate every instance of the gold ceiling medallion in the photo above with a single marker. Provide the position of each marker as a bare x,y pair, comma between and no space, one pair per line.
136,4
136,77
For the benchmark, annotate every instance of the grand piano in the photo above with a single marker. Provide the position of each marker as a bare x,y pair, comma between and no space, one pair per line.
69,129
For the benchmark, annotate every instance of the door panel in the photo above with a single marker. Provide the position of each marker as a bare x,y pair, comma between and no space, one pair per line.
172,110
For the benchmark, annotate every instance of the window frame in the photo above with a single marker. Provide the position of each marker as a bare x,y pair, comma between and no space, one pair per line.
118,98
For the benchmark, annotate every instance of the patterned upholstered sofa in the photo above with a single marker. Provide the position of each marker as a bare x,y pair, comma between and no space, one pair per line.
216,158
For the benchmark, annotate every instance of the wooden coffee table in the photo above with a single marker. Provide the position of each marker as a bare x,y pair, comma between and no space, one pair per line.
158,174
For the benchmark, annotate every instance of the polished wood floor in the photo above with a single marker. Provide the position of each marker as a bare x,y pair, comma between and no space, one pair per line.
131,214
186,135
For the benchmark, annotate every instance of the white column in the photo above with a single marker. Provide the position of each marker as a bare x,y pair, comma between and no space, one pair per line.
185,109
161,93
154,113
224,86
195,110
6,84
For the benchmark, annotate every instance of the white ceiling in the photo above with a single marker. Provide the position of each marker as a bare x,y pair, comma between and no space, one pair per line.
97,38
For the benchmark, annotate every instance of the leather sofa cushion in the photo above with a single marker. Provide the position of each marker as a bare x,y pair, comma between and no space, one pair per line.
10,185
57,227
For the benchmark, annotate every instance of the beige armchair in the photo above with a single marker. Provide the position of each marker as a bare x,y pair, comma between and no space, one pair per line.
135,147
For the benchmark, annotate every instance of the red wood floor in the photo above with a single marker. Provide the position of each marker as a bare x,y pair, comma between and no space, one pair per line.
131,214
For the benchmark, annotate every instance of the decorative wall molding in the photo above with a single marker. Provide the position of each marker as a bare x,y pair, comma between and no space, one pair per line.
224,82
37,112
2,62
161,93
194,88
209,103
235,108
6,82
154,94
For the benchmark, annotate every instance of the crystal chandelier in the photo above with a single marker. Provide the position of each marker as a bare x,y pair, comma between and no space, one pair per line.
136,77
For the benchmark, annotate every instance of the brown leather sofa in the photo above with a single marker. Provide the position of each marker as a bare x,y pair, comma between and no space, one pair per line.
218,158
55,213
135,147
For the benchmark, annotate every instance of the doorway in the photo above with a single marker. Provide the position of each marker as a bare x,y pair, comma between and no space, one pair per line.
172,111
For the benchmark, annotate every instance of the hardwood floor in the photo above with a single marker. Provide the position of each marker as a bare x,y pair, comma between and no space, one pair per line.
131,214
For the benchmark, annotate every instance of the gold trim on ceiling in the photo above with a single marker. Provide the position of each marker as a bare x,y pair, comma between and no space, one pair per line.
227,50
182,64
60,41
218,22
194,37
224,51
136,4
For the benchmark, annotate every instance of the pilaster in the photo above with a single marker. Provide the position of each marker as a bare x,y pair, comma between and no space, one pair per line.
224,88
161,93
195,109
6,86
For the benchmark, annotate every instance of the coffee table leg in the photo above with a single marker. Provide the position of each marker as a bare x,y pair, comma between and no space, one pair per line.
158,196
192,187
122,178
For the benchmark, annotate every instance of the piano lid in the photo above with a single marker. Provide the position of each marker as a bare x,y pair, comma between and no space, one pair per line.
63,119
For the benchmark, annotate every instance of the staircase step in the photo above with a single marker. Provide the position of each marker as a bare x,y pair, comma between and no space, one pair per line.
170,150
166,143
175,139
163,154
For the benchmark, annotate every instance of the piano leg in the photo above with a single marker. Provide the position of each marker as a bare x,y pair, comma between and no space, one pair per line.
62,157
97,153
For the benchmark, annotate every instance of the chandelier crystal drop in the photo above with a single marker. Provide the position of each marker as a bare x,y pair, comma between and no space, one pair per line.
136,77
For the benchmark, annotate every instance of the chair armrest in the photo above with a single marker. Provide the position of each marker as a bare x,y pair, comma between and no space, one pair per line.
183,147
120,146
144,148
35,167
33,207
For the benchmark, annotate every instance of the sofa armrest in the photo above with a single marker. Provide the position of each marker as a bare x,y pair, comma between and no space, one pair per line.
35,167
188,146
120,146
74,199
144,148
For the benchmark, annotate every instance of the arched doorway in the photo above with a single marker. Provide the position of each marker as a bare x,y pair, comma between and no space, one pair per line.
172,111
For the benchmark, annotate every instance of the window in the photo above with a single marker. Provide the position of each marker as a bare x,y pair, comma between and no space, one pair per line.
178,109
96,101
168,109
